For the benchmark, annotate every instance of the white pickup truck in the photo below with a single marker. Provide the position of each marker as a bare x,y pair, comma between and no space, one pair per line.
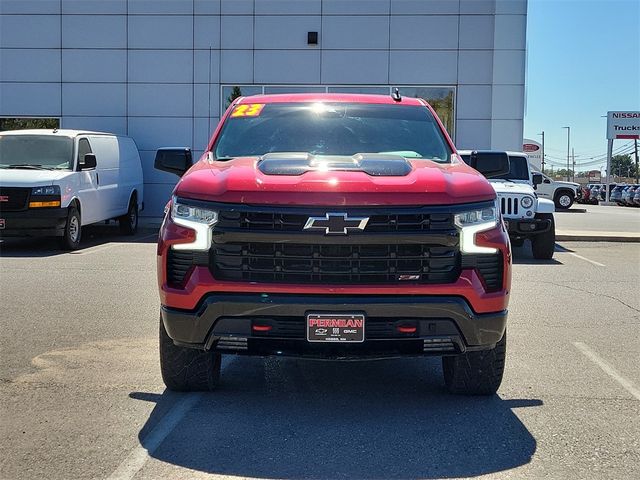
562,194
525,215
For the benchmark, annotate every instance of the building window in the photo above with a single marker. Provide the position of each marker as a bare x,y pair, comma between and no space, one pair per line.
24,123
442,99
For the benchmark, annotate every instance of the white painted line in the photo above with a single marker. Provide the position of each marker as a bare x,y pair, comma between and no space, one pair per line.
608,369
137,458
586,259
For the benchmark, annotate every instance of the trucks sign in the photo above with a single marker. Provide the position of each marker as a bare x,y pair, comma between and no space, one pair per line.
623,125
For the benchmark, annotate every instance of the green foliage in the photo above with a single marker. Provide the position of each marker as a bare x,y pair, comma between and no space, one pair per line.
28,123
444,109
235,93
622,165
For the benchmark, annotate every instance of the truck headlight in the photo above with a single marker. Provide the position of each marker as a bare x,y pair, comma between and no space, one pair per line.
526,202
196,218
45,197
474,221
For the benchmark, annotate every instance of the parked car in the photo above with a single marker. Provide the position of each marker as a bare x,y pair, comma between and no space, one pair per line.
594,195
562,194
628,194
303,231
616,193
636,198
53,182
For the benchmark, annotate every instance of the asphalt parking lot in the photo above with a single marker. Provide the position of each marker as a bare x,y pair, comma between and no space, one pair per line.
81,394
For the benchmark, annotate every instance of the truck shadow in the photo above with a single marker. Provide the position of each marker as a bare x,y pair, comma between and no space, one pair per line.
524,256
92,236
296,419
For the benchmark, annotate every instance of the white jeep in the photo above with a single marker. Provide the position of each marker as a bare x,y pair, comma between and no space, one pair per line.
525,215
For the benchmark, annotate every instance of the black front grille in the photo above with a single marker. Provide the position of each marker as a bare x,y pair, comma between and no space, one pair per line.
489,267
263,221
335,263
13,198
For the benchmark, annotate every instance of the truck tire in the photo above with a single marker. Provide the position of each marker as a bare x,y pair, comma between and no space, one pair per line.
187,369
476,373
544,244
70,239
564,199
517,242
129,221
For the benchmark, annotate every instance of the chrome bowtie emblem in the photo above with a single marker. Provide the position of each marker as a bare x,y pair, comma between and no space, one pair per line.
336,223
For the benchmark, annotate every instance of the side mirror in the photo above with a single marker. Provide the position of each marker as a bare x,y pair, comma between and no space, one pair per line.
173,160
490,164
537,178
88,162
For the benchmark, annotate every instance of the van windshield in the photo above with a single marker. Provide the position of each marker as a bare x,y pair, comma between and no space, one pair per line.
331,129
35,151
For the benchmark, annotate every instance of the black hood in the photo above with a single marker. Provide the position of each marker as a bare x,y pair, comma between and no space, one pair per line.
374,164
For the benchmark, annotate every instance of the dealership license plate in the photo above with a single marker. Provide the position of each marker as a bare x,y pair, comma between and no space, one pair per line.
335,327
1,223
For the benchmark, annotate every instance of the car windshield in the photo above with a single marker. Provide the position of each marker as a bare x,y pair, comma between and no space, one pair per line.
518,168
38,151
331,129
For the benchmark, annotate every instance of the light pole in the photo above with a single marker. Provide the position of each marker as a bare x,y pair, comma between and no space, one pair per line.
568,145
542,165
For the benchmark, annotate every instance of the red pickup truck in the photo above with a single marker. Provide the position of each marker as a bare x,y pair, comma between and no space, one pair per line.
336,227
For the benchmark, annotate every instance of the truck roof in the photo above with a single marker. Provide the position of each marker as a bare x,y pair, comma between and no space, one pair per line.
58,132
331,97
508,152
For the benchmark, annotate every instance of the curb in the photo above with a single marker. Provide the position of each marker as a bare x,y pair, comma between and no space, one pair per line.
597,238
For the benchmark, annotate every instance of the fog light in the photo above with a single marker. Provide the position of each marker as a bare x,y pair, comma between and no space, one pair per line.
529,213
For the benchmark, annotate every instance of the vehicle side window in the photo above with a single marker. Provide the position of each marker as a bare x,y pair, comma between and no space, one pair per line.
83,148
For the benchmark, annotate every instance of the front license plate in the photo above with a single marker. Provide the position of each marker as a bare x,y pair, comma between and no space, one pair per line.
1,223
335,327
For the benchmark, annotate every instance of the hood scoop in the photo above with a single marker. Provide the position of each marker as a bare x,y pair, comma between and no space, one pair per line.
374,164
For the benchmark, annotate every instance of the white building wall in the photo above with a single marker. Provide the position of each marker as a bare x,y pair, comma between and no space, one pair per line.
153,69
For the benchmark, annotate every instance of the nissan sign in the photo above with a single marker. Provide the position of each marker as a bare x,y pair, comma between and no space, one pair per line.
623,125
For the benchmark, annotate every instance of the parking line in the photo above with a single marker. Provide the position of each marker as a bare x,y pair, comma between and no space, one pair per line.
608,369
137,458
586,259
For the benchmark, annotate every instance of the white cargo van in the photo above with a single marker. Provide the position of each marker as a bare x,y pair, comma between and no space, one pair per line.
52,182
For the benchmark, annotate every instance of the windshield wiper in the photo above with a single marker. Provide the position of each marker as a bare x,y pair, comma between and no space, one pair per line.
27,166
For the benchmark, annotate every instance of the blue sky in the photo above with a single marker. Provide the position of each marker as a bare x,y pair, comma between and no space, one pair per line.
583,59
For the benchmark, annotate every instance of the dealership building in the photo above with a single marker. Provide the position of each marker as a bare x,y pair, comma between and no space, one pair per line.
163,71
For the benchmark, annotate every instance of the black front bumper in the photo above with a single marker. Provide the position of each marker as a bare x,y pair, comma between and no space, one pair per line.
37,222
522,228
224,322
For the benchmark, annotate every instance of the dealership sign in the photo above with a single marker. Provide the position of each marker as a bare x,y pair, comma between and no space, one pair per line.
534,151
623,125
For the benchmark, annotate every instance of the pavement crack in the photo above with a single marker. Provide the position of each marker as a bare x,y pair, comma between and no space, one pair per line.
597,294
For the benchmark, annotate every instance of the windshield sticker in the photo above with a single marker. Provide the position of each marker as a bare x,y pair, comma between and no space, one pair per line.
248,110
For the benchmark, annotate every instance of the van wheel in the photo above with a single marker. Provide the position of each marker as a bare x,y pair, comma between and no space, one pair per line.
129,221
72,230
544,244
476,373
187,369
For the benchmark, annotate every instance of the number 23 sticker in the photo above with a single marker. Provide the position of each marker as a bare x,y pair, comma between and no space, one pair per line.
247,110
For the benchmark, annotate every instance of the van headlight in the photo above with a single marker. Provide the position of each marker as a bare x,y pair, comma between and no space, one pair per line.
197,218
47,196
474,221
526,202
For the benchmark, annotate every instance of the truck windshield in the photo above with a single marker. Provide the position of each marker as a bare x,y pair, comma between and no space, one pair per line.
37,151
331,129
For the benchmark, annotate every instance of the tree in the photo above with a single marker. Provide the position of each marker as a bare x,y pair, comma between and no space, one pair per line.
623,165
22,123
235,93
